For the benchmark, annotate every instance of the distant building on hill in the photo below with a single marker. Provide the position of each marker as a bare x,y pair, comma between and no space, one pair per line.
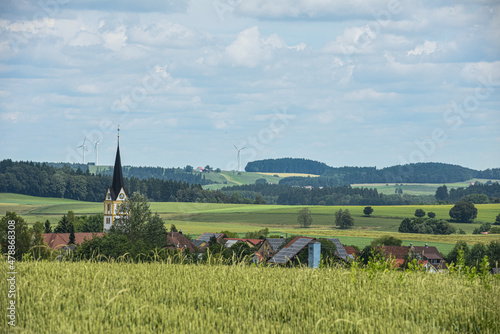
116,194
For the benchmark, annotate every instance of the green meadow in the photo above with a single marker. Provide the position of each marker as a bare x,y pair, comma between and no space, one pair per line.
196,218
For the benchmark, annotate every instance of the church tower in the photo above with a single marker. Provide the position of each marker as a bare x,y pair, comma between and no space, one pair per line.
116,194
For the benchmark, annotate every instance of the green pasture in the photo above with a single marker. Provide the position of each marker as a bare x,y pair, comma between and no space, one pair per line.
197,218
233,178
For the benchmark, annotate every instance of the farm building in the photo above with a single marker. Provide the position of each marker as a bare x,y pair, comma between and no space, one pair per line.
270,247
291,249
340,251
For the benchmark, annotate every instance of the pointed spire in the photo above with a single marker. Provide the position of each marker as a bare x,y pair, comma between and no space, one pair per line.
117,184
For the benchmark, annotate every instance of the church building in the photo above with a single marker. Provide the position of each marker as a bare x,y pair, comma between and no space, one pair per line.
116,194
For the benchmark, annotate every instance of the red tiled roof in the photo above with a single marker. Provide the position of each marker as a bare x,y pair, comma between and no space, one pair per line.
180,241
350,250
398,252
58,240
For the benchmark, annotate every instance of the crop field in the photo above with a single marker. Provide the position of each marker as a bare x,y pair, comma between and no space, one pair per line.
89,297
196,218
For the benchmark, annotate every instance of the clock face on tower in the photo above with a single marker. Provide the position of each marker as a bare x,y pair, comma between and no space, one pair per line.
121,196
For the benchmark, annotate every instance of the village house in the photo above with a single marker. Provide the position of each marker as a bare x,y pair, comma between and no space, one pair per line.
175,240
428,256
59,240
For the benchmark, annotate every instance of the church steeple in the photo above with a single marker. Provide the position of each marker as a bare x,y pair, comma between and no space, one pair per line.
116,194
117,184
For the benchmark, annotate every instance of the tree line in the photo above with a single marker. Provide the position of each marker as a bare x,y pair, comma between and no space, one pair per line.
430,172
341,195
478,193
39,179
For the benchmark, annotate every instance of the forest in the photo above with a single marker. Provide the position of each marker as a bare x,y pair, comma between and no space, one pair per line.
429,172
38,179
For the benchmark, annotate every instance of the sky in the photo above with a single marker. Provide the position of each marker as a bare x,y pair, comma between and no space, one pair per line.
348,83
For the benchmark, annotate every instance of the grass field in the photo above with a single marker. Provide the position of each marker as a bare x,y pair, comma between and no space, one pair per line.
85,297
196,218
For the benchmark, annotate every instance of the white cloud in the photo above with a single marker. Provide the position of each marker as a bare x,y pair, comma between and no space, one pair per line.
85,38
250,48
423,49
369,94
88,89
116,39
11,116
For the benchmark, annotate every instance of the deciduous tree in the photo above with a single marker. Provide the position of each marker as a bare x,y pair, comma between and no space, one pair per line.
419,213
463,212
343,219
304,218
368,210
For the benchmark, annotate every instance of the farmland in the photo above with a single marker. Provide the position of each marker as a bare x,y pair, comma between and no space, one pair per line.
163,297
196,218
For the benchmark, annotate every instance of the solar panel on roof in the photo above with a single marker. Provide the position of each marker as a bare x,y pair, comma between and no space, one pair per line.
206,236
339,249
275,243
286,254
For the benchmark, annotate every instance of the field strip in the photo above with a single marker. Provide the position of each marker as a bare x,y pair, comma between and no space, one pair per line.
290,174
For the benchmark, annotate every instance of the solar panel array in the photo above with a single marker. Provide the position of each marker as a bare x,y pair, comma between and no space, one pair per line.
340,250
276,243
286,254
206,236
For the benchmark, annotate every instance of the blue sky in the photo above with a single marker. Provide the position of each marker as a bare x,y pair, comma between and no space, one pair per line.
359,83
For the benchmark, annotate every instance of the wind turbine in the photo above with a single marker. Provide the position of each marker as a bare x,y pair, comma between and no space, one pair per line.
84,148
96,151
239,156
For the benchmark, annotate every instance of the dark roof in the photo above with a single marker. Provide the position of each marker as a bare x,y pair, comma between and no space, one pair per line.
430,252
275,243
206,236
180,241
340,250
117,184
291,249
198,243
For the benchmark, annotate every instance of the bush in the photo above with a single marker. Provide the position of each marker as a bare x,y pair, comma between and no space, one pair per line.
426,226
419,213
431,214
483,228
